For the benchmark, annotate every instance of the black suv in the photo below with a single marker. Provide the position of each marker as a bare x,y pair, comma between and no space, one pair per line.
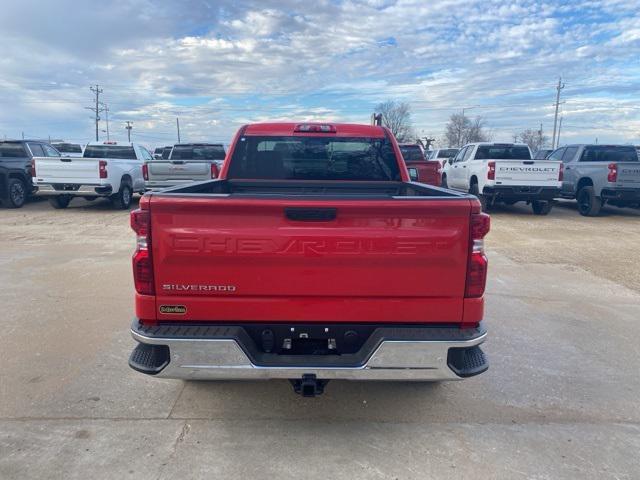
15,169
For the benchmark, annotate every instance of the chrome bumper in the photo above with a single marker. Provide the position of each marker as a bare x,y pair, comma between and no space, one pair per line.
224,358
88,190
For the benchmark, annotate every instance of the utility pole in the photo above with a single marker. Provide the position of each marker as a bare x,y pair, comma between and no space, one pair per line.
559,128
178,125
106,112
97,109
129,127
540,137
555,118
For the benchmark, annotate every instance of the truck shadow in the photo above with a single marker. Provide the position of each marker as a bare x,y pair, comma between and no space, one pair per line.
342,400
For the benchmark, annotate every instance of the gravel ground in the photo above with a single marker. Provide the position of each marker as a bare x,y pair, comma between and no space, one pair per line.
559,401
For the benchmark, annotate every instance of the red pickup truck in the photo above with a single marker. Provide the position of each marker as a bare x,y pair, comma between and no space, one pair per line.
420,169
312,257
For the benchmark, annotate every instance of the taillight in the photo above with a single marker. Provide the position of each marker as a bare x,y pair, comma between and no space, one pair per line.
214,170
145,171
142,262
613,173
477,262
561,173
33,167
491,174
102,167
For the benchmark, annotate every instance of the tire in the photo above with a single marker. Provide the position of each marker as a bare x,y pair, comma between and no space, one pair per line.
16,193
588,204
444,183
483,200
60,201
541,207
122,199
510,202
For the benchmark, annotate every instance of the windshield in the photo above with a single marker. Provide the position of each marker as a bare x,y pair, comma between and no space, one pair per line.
609,153
542,154
12,150
503,152
158,150
68,148
109,151
198,152
412,153
314,158
166,151
447,153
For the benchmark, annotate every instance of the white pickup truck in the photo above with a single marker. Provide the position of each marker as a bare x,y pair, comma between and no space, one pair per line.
106,169
504,172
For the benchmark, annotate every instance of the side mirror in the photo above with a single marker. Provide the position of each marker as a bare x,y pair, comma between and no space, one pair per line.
413,174
450,161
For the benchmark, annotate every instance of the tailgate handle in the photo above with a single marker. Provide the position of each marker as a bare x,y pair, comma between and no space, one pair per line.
311,214
528,162
65,159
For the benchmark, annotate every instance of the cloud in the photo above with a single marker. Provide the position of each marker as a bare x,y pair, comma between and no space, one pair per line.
218,64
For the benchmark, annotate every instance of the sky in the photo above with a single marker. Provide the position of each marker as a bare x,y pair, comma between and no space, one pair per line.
217,65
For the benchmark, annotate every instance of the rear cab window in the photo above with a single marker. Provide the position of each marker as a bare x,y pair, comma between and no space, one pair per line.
502,152
36,149
447,153
110,151
12,150
314,158
609,153
198,152
412,153
68,148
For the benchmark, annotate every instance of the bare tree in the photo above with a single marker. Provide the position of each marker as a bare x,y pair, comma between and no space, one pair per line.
396,116
461,129
534,138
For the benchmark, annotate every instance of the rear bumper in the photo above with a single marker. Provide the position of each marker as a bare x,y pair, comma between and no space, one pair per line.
521,192
208,352
626,195
86,190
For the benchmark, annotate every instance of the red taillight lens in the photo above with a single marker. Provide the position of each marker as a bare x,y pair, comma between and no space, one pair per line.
33,167
561,173
491,174
613,173
102,166
142,262
139,221
214,171
143,272
477,262
145,171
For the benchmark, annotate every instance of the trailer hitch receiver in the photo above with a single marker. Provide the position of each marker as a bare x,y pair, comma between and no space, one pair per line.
309,385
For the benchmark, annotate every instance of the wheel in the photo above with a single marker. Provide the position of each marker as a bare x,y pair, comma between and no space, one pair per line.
444,183
122,199
60,201
483,200
588,204
16,193
541,207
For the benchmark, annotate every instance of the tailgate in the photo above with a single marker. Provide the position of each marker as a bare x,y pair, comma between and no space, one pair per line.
628,174
237,259
179,170
67,170
527,172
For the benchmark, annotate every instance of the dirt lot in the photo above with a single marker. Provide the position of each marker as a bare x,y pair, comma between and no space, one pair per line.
559,401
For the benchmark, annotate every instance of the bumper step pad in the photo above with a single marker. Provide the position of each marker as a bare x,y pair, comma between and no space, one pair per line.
467,362
149,359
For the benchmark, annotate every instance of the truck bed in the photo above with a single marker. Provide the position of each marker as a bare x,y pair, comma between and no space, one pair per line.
312,189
